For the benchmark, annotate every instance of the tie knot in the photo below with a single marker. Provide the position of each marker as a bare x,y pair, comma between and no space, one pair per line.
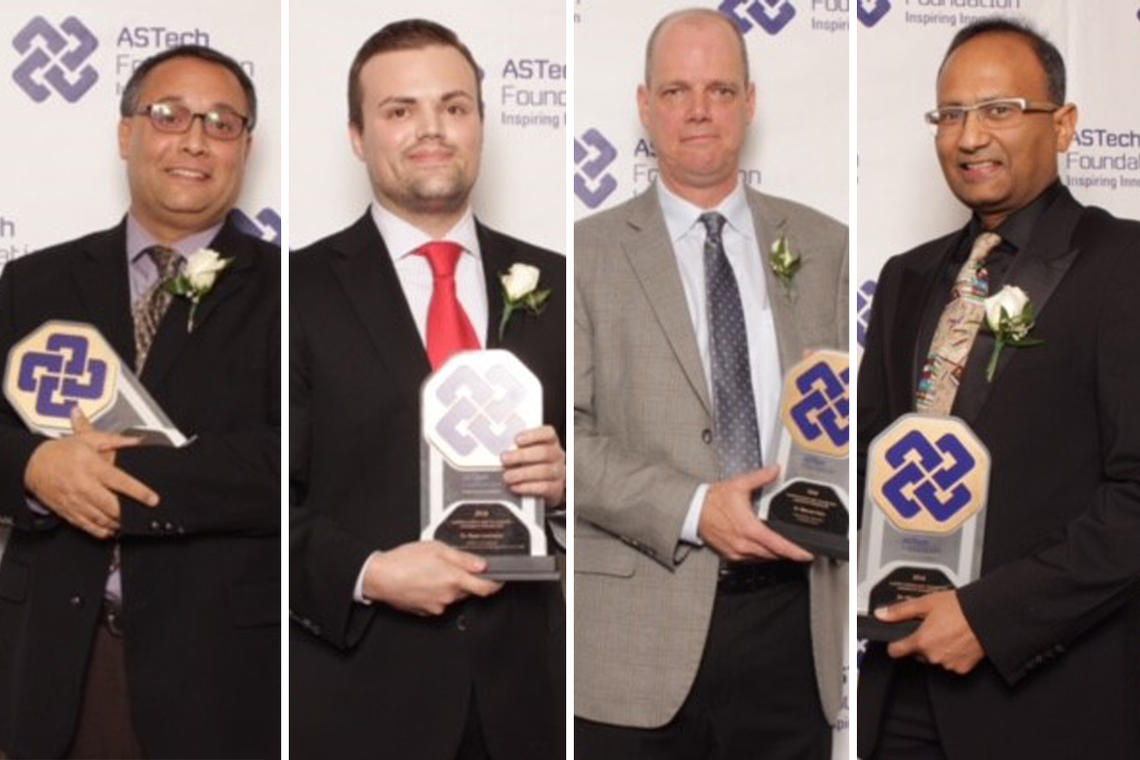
983,244
714,223
166,260
442,256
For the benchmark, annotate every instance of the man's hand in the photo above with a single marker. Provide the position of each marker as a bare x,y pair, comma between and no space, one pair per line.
733,530
538,466
944,637
76,478
424,577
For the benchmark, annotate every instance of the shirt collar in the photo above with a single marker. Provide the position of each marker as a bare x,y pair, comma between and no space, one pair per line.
403,239
139,239
1017,228
681,217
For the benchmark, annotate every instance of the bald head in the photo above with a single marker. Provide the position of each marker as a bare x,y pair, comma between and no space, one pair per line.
695,17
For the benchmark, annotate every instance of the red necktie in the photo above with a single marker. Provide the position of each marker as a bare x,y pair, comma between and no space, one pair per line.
448,328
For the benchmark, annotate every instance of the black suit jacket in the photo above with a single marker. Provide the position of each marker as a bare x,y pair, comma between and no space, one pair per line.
201,571
1057,608
370,679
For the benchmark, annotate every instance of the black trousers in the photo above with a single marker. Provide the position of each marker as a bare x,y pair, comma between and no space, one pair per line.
909,730
754,697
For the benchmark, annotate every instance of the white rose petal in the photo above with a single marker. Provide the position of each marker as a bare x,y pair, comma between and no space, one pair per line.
202,269
1011,298
519,280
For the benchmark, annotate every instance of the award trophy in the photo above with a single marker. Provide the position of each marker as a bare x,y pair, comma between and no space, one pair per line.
923,516
61,365
808,503
473,407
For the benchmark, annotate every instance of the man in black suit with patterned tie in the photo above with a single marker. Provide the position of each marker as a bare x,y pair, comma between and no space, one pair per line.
140,586
1040,656
398,645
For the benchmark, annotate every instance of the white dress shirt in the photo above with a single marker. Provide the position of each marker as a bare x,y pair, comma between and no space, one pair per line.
414,273
682,219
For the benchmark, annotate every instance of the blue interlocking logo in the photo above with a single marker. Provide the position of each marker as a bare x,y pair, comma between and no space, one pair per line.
593,154
62,376
928,477
481,411
265,226
57,60
770,15
863,299
824,406
871,11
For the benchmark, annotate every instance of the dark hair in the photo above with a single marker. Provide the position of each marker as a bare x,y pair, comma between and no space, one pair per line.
1047,54
129,103
699,13
409,34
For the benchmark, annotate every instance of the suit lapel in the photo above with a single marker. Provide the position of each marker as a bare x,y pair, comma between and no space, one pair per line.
104,286
366,273
650,254
1037,270
173,334
769,227
494,263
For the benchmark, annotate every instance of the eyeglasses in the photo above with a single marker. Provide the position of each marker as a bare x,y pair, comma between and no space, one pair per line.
175,118
1001,112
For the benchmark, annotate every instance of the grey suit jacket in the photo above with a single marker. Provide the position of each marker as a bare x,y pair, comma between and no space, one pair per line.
642,422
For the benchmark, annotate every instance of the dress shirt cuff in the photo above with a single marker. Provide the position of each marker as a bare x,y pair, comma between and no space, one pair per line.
689,529
35,506
358,589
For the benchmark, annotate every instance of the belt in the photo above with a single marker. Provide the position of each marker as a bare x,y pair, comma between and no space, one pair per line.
740,577
111,617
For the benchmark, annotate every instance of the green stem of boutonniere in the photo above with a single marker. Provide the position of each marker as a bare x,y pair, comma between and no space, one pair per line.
508,309
533,302
999,344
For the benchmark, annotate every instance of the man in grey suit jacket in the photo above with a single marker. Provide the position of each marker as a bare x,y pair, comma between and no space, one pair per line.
700,632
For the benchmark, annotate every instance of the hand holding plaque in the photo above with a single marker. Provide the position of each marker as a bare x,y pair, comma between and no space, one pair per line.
62,365
473,407
923,516
808,503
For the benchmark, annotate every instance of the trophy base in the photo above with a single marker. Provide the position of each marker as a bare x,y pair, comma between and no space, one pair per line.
513,567
814,540
873,629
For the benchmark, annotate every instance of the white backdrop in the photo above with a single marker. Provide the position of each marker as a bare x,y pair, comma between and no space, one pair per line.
521,48
903,199
797,147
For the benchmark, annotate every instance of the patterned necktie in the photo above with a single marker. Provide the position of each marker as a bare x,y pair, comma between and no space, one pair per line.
956,331
448,328
147,314
734,405
150,309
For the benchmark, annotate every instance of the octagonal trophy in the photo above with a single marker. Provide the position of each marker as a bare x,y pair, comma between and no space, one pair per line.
923,516
61,365
808,502
472,408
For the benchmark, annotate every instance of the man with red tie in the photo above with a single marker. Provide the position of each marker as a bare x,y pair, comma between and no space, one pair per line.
398,643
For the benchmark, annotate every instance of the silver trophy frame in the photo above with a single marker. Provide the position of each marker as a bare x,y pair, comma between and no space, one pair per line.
807,503
923,516
471,409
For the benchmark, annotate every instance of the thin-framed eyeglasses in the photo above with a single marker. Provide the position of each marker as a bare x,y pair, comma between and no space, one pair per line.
999,112
175,118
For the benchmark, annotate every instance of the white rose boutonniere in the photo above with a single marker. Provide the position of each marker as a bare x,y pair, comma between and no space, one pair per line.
520,291
197,279
785,263
1010,317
